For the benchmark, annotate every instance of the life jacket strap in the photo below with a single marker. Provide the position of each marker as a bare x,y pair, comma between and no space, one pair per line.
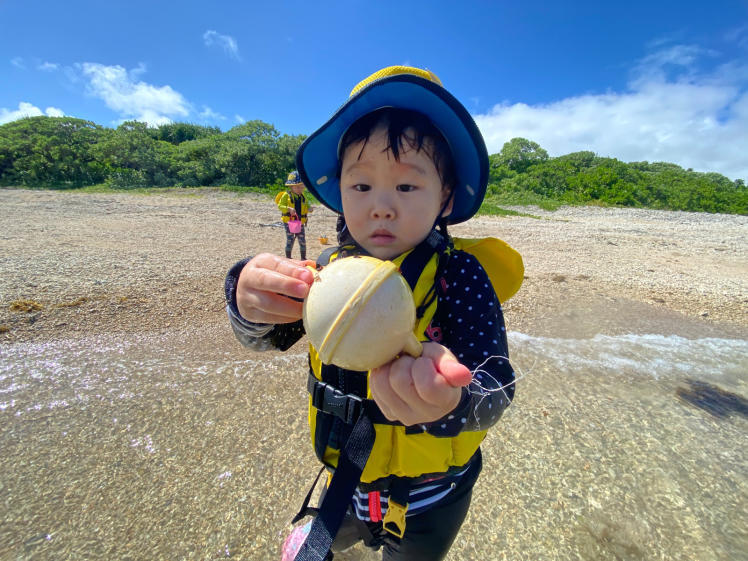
351,464
347,407
416,261
305,509
324,257
326,398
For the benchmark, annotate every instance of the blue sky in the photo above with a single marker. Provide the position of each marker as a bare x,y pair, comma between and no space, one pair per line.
655,80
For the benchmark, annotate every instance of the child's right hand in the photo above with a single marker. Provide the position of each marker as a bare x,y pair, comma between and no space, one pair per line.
265,285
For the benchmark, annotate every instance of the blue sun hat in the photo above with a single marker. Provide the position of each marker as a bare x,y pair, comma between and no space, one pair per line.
402,87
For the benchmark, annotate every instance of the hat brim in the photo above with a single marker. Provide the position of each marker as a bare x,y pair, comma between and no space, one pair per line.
317,158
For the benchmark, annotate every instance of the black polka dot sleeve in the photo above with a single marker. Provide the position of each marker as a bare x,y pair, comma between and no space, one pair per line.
469,322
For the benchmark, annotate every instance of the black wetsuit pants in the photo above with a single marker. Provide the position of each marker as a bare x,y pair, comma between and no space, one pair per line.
428,536
290,239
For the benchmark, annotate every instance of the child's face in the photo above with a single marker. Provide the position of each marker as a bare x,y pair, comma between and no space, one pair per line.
390,206
298,189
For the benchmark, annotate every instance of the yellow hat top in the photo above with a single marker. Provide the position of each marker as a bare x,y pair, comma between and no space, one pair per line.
394,71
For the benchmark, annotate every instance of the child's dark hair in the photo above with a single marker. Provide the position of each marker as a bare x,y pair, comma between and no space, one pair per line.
399,123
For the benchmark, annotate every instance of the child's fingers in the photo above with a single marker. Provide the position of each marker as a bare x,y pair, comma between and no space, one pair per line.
401,380
414,390
391,405
273,282
407,378
267,286
377,381
455,373
433,388
277,274
284,265
267,307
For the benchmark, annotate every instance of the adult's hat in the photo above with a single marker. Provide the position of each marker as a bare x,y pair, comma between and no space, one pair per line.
293,178
402,87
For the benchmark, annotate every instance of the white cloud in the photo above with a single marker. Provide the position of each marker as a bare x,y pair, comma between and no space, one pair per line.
26,109
208,113
226,42
48,66
18,63
239,119
669,113
134,99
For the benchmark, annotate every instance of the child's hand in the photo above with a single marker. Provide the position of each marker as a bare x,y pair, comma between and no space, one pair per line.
419,390
264,284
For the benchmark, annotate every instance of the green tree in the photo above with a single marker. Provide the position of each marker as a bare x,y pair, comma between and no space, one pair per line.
577,161
519,154
50,151
176,133
134,158
256,154
196,162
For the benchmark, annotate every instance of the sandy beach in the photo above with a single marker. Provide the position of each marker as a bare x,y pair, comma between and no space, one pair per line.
198,452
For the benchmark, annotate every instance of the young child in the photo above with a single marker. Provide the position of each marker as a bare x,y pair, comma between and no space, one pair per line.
400,160
293,207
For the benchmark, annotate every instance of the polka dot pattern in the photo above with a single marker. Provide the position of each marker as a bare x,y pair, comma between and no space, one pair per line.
472,327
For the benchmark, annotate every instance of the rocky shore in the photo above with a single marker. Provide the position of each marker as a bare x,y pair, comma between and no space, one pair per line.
77,263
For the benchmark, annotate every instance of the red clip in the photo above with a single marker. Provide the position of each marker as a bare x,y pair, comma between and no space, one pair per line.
375,507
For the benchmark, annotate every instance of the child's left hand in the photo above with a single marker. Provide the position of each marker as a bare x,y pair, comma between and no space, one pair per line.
419,390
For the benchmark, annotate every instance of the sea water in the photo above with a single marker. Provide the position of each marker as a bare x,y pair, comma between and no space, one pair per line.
181,445
647,356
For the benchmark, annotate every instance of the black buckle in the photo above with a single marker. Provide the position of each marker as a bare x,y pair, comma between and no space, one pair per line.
330,400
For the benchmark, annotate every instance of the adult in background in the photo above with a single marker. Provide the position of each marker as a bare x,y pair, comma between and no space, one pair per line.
294,209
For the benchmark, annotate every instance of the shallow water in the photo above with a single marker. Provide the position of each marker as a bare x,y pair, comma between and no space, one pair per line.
184,446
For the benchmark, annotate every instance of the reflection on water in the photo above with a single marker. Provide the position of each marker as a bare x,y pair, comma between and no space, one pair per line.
182,447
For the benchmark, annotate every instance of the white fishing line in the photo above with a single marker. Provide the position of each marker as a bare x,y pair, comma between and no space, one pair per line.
479,374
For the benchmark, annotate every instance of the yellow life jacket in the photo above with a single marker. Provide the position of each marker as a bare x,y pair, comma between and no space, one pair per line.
401,451
286,203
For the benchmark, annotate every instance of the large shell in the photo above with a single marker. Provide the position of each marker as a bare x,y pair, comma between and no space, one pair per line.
359,313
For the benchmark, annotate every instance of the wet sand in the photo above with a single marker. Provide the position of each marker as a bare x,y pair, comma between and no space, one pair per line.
189,448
